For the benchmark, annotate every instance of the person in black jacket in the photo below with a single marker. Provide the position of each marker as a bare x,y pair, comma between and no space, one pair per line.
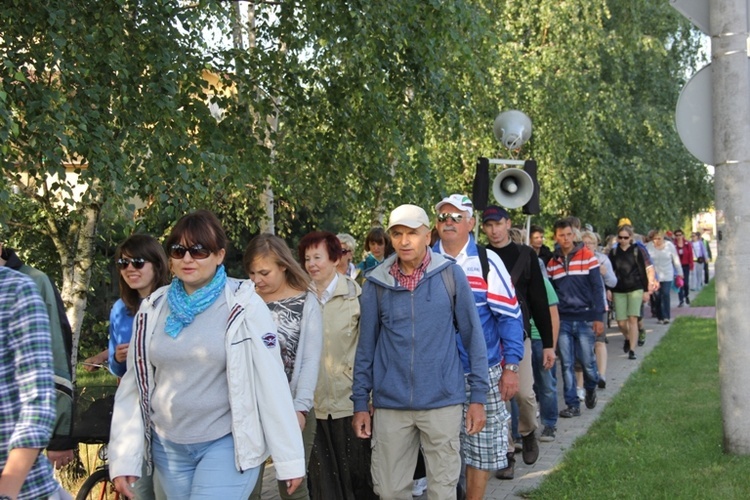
526,274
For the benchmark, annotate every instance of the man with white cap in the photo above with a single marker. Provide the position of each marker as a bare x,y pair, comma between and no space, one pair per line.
502,326
407,360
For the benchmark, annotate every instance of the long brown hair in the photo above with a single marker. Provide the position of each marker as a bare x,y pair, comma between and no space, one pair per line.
265,245
142,246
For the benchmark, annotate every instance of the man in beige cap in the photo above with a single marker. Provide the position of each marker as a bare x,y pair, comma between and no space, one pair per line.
408,362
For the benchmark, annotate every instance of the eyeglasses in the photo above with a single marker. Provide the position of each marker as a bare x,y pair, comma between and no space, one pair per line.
678,235
198,251
124,263
455,217
623,237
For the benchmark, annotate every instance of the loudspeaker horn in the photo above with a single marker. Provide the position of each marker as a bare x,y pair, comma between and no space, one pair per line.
512,128
512,188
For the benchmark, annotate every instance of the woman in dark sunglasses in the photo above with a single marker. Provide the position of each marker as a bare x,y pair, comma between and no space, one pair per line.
205,397
631,289
142,268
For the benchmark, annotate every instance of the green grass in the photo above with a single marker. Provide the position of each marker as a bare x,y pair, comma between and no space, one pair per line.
706,297
661,436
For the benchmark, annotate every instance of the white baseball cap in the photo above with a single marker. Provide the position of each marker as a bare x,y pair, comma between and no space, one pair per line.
408,215
459,201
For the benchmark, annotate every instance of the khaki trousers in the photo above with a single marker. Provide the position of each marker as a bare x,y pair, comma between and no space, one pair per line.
525,398
396,437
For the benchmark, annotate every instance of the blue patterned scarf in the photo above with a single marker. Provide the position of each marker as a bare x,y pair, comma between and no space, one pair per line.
184,307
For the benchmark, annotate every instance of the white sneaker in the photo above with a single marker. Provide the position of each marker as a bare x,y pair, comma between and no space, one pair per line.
420,486
581,393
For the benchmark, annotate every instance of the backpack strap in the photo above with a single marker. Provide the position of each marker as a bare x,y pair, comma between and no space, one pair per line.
449,280
484,261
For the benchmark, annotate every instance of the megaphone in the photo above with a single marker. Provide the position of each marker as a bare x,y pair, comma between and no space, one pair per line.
512,188
512,128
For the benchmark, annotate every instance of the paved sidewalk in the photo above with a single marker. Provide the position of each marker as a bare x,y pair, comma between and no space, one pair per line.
619,368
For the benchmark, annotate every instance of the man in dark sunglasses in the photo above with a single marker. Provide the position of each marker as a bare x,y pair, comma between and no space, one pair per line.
502,323
60,447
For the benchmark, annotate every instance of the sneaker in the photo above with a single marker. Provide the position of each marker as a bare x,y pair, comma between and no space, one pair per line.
419,487
659,321
602,384
631,355
507,473
571,411
681,304
591,398
530,448
581,393
666,321
626,346
548,434
641,337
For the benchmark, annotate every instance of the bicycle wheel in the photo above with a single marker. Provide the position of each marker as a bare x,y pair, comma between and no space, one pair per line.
98,487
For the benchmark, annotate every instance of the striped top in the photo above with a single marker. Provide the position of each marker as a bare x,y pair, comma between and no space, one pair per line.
497,305
578,284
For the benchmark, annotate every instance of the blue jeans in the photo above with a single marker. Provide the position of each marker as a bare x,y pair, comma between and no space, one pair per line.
201,470
663,300
545,385
577,340
685,290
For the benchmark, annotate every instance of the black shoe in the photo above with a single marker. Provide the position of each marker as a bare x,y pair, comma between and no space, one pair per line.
507,473
687,300
602,384
530,448
591,398
631,355
571,411
548,434
626,346
682,303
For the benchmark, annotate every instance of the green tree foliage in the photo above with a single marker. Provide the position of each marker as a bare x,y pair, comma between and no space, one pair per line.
342,109
600,81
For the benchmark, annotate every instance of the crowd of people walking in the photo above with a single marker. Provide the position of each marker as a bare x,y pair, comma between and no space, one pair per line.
424,365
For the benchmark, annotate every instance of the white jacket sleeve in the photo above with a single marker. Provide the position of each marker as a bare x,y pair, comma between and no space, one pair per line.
126,442
311,330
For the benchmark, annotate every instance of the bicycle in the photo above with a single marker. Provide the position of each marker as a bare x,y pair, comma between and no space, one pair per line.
98,485
93,415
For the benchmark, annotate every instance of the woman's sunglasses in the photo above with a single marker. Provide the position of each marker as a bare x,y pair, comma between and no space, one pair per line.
198,251
136,263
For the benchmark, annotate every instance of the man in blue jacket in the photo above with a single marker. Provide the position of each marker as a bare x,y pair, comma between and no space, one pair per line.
408,362
574,272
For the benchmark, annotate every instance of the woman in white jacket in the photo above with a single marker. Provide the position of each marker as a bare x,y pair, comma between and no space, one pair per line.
203,397
284,286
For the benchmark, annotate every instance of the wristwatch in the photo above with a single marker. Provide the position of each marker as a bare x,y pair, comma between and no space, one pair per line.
511,366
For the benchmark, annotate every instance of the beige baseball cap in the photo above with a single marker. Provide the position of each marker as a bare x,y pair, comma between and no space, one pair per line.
408,215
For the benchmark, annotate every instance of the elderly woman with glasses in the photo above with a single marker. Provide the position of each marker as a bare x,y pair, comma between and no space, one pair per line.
205,397
632,287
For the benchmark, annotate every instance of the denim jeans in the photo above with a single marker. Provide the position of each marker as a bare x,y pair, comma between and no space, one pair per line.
201,470
545,385
576,341
685,290
663,300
